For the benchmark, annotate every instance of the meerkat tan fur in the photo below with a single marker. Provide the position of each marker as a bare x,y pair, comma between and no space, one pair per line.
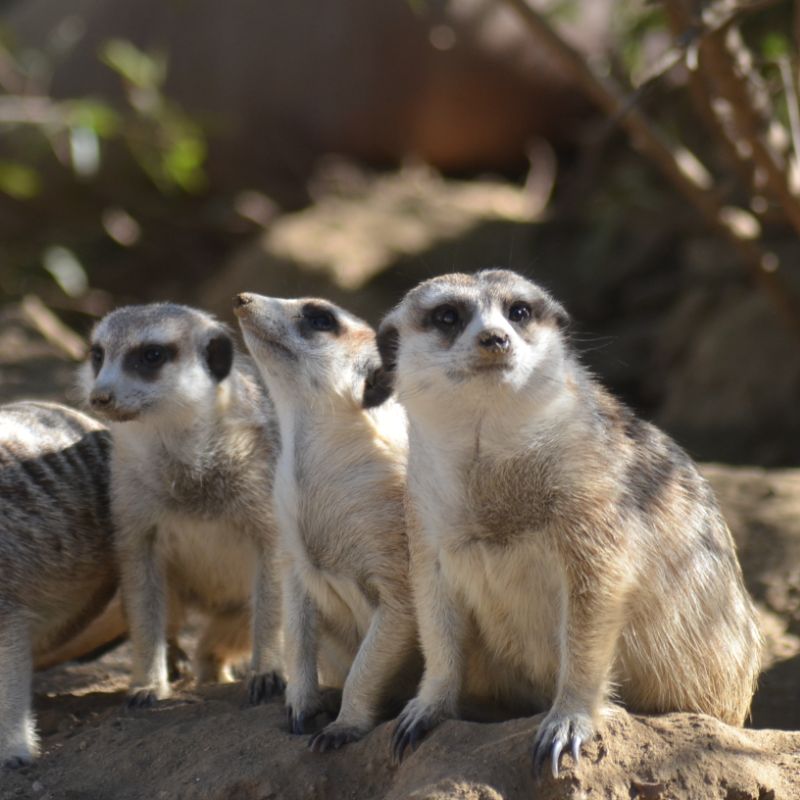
339,491
575,544
56,553
194,444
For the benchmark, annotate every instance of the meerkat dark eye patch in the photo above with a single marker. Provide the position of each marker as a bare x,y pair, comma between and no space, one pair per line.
316,318
219,355
96,358
445,317
449,319
145,361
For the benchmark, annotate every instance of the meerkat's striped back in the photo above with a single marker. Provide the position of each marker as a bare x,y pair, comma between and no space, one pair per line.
56,550
55,526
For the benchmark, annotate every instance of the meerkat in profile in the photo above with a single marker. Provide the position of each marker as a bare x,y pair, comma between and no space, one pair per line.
194,445
339,488
56,552
575,544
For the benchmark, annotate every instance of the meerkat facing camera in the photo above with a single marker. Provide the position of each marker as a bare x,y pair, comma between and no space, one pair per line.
194,445
579,542
339,490
56,550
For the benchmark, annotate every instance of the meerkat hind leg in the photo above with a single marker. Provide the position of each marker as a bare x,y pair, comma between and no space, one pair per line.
225,638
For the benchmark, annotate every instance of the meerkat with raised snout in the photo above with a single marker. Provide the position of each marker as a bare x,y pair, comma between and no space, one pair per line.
57,567
574,544
339,489
194,446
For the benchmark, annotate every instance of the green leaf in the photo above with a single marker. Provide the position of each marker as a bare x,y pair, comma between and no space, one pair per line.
143,70
775,45
183,163
94,115
18,180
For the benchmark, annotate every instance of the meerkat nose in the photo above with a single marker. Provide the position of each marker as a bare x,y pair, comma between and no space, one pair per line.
240,303
494,340
100,399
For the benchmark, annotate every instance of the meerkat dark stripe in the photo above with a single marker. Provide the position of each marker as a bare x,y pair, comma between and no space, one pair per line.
56,552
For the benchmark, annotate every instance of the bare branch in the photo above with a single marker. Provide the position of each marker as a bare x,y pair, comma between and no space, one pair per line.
652,145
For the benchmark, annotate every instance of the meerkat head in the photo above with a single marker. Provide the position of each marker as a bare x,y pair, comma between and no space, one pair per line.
155,360
494,330
310,348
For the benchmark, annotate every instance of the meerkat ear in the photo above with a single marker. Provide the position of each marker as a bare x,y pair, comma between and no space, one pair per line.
379,384
561,316
219,355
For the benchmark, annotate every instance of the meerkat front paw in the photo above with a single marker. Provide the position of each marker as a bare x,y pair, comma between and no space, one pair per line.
302,708
146,696
18,757
264,685
416,720
16,762
559,731
335,735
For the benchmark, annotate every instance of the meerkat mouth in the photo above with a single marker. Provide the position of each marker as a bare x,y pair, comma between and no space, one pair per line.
250,329
119,415
491,368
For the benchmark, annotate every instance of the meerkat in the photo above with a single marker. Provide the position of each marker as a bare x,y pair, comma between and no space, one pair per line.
339,493
56,551
573,543
194,446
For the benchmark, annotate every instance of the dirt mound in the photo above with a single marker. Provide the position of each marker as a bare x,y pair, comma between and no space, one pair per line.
208,744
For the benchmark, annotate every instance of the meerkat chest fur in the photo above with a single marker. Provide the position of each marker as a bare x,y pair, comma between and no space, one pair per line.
494,488
322,497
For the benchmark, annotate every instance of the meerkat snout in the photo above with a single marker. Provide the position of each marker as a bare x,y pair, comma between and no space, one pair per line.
100,399
310,345
493,340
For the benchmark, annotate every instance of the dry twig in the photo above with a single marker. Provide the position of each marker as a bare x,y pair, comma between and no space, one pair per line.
648,140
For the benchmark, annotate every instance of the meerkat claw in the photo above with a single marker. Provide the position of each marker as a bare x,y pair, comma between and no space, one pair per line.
557,735
142,698
264,686
411,729
558,747
577,741
17,762
297,721
332,738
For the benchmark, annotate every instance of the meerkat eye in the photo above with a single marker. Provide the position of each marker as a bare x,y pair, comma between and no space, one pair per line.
154,355
320,320
445,316
519,312
96,358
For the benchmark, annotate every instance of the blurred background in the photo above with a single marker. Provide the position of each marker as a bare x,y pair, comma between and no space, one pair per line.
638,158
